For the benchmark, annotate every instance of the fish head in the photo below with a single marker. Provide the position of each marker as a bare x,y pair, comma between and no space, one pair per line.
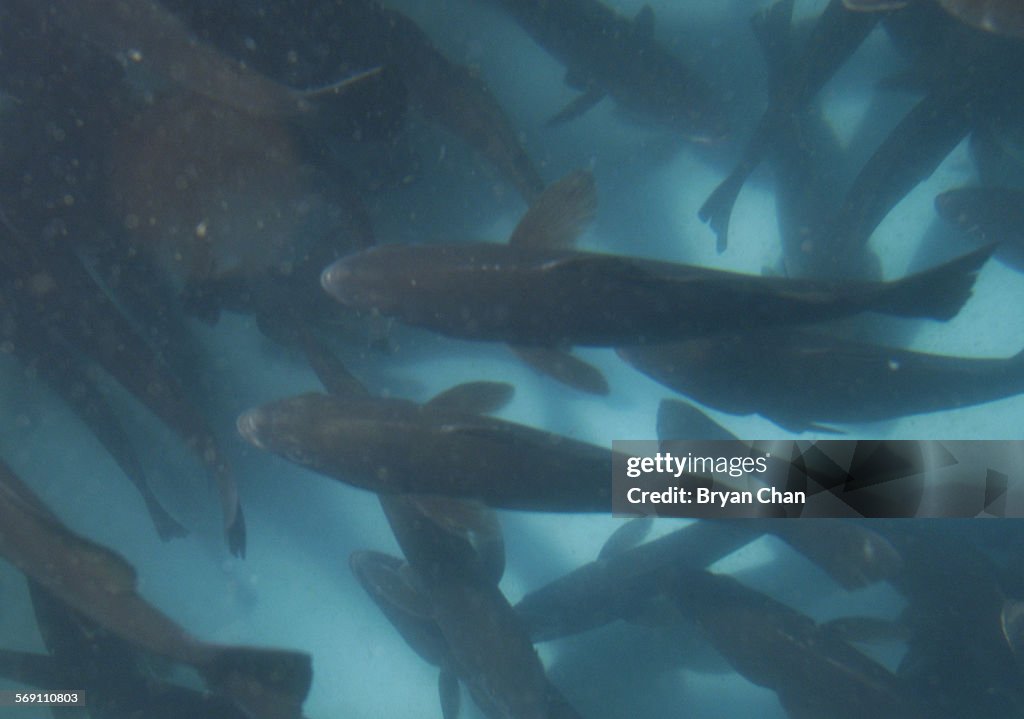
366,280
357,441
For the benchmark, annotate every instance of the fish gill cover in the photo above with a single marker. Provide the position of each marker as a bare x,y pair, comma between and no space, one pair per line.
783,211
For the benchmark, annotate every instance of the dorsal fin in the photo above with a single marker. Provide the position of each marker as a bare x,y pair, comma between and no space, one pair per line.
473,398
559,215
643,24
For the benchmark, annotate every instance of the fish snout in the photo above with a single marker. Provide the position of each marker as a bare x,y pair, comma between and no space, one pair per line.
250,425
334,278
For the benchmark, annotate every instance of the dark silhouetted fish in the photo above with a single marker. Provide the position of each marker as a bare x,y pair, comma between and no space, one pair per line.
623,584
323,35
532,292
65,299
801,379
988,214
958,653
833,40
63,371
968,77
605,53
266,683
394,446
806,157
772,645
386,579
489,647
143,32
109,670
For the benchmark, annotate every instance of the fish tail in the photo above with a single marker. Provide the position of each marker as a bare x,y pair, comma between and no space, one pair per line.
717,209
938,293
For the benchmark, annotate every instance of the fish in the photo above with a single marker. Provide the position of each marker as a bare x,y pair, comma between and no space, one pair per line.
58,366
802,380
958,652
836,35
623,584
959,94
67,300
988,214
531,292
395,446
452,613
109,670
385,579
774,646
413,72
144,33
101,585
806,157
607,54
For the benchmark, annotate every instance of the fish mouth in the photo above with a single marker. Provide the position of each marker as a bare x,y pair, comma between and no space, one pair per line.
249,425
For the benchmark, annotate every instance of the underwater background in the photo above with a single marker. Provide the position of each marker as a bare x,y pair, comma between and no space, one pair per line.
275,187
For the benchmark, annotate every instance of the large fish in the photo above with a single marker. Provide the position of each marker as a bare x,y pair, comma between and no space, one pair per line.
806,157
814,673
394,446
968,77
605,53
110,670
532,291
958,612
66,300
60,367
324,35
485,643
799,379
836,35
625,584
143,32
101,585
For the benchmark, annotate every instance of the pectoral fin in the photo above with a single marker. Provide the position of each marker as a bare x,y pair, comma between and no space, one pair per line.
559,215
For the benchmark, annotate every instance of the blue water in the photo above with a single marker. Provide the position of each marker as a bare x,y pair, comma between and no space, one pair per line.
295,589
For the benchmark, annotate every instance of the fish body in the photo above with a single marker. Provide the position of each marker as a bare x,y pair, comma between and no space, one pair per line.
527,295
774,646
394,446
800,378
